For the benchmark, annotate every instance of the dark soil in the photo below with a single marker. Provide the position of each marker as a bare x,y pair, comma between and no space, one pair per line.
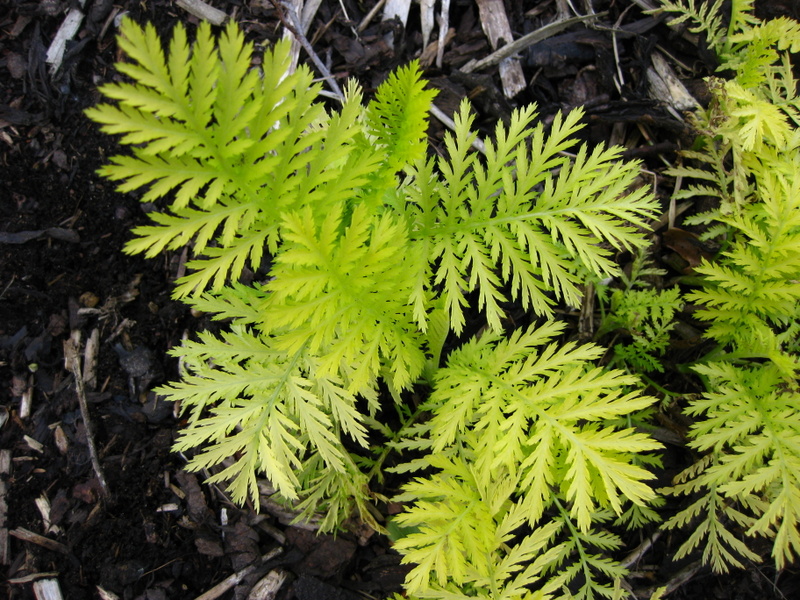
161,533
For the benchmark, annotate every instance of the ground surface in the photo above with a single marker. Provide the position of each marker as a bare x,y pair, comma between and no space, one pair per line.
161,533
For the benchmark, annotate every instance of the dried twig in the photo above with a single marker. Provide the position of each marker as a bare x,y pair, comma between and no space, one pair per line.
494,22
370,15
290,21
437,112
27,535
31,577
525,41
680,578
236,578
641,550
69,27
201,10
73,364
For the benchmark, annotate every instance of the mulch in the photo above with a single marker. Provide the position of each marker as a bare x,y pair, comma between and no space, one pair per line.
152,530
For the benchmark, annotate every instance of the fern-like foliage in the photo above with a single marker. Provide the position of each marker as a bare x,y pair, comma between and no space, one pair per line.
485,227
751,296
707,19
232,147
747,421
756,110
519,428
752,304
643,314
647,316
750,478
374,251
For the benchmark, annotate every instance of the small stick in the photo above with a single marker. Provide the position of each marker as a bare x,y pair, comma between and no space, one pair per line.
73,364
201,10
437,112
27,535
289,20
370,15
641,550
233,580
69,27
32,577
680,578
526,40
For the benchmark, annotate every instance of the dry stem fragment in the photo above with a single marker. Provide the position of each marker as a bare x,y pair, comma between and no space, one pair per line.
73,364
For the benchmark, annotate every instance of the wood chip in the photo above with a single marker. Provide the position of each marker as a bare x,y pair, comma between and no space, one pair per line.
666,87
26,400
395,9
398,9
90,353
43,505
47,589
34,538
106,595
233,580
62,443
495,24
204,11
268,587
426,8
33,444
444,28
69,27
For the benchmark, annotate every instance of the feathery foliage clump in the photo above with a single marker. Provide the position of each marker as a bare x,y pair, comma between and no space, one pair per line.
641,313
748,427
367,254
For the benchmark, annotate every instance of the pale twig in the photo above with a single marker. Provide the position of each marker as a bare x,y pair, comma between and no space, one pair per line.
477,143
27,535
680,578
289,19
235,579
640,551
370,15
73,364
525,41
203,10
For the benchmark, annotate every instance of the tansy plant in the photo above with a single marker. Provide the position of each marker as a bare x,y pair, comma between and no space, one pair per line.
376,264
746,481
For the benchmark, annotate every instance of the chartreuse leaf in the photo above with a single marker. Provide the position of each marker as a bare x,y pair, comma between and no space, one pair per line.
487,228
345,297
752,431
748,422
266,407
362,255
232,144
520,424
